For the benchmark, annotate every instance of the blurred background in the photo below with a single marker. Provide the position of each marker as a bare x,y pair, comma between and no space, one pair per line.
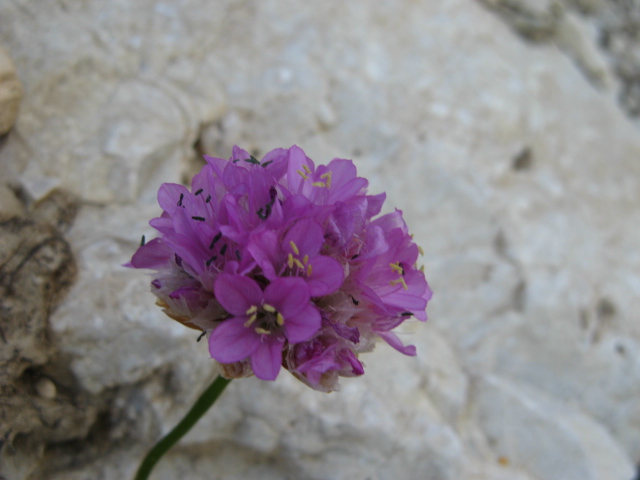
507,131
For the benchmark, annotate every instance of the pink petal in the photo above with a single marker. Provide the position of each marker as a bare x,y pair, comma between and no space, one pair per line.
155,254
374,204
231,341
288,295
414,298
297,160
218,164
307,235
393,340
265,249
348,190
276,162
376,243
237,293
401,299
297,206
391,221
238,153
267,358
342,171
326,276
302,326
169,196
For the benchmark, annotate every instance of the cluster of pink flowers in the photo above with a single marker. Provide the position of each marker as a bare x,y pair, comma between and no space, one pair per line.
281,264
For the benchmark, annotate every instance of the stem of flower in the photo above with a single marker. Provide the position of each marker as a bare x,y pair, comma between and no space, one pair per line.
208,397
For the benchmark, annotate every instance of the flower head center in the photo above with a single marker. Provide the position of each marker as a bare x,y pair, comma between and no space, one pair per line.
264,319
398,267
303,266
325,176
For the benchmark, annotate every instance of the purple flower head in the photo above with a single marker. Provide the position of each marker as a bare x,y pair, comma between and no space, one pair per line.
282,264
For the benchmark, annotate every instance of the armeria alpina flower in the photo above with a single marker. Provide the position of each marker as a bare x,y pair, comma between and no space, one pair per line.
281,264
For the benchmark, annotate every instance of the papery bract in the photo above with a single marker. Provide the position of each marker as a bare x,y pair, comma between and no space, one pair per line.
282,264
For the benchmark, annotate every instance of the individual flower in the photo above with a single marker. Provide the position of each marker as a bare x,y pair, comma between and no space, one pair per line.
282,263
261,322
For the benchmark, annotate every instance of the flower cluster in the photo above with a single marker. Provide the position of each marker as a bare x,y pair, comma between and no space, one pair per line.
281,263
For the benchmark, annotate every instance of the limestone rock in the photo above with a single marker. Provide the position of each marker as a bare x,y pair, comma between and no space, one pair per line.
499,469
11,92
544,437
600,36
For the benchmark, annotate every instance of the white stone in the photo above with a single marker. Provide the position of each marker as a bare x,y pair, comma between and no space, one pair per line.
380,426
494,470
544,437
578,39
46,388
110,317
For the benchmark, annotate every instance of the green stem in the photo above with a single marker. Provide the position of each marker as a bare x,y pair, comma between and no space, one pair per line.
208,397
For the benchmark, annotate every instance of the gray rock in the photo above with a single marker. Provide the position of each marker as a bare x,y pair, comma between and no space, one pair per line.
36,269
11,92
544,437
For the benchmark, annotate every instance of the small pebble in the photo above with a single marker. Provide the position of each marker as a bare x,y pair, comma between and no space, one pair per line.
46,388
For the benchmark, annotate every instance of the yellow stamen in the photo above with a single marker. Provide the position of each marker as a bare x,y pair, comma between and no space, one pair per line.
252,319
290,261
298,263
319,184
279,319
306,168
305,259
302,174
397,281
309,270
327,176
262,331
294,247
252,309
420,250
396,267
268,308
422,268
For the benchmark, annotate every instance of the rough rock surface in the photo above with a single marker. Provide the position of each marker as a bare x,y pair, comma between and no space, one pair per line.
606,49
515,164
39,400
10,92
